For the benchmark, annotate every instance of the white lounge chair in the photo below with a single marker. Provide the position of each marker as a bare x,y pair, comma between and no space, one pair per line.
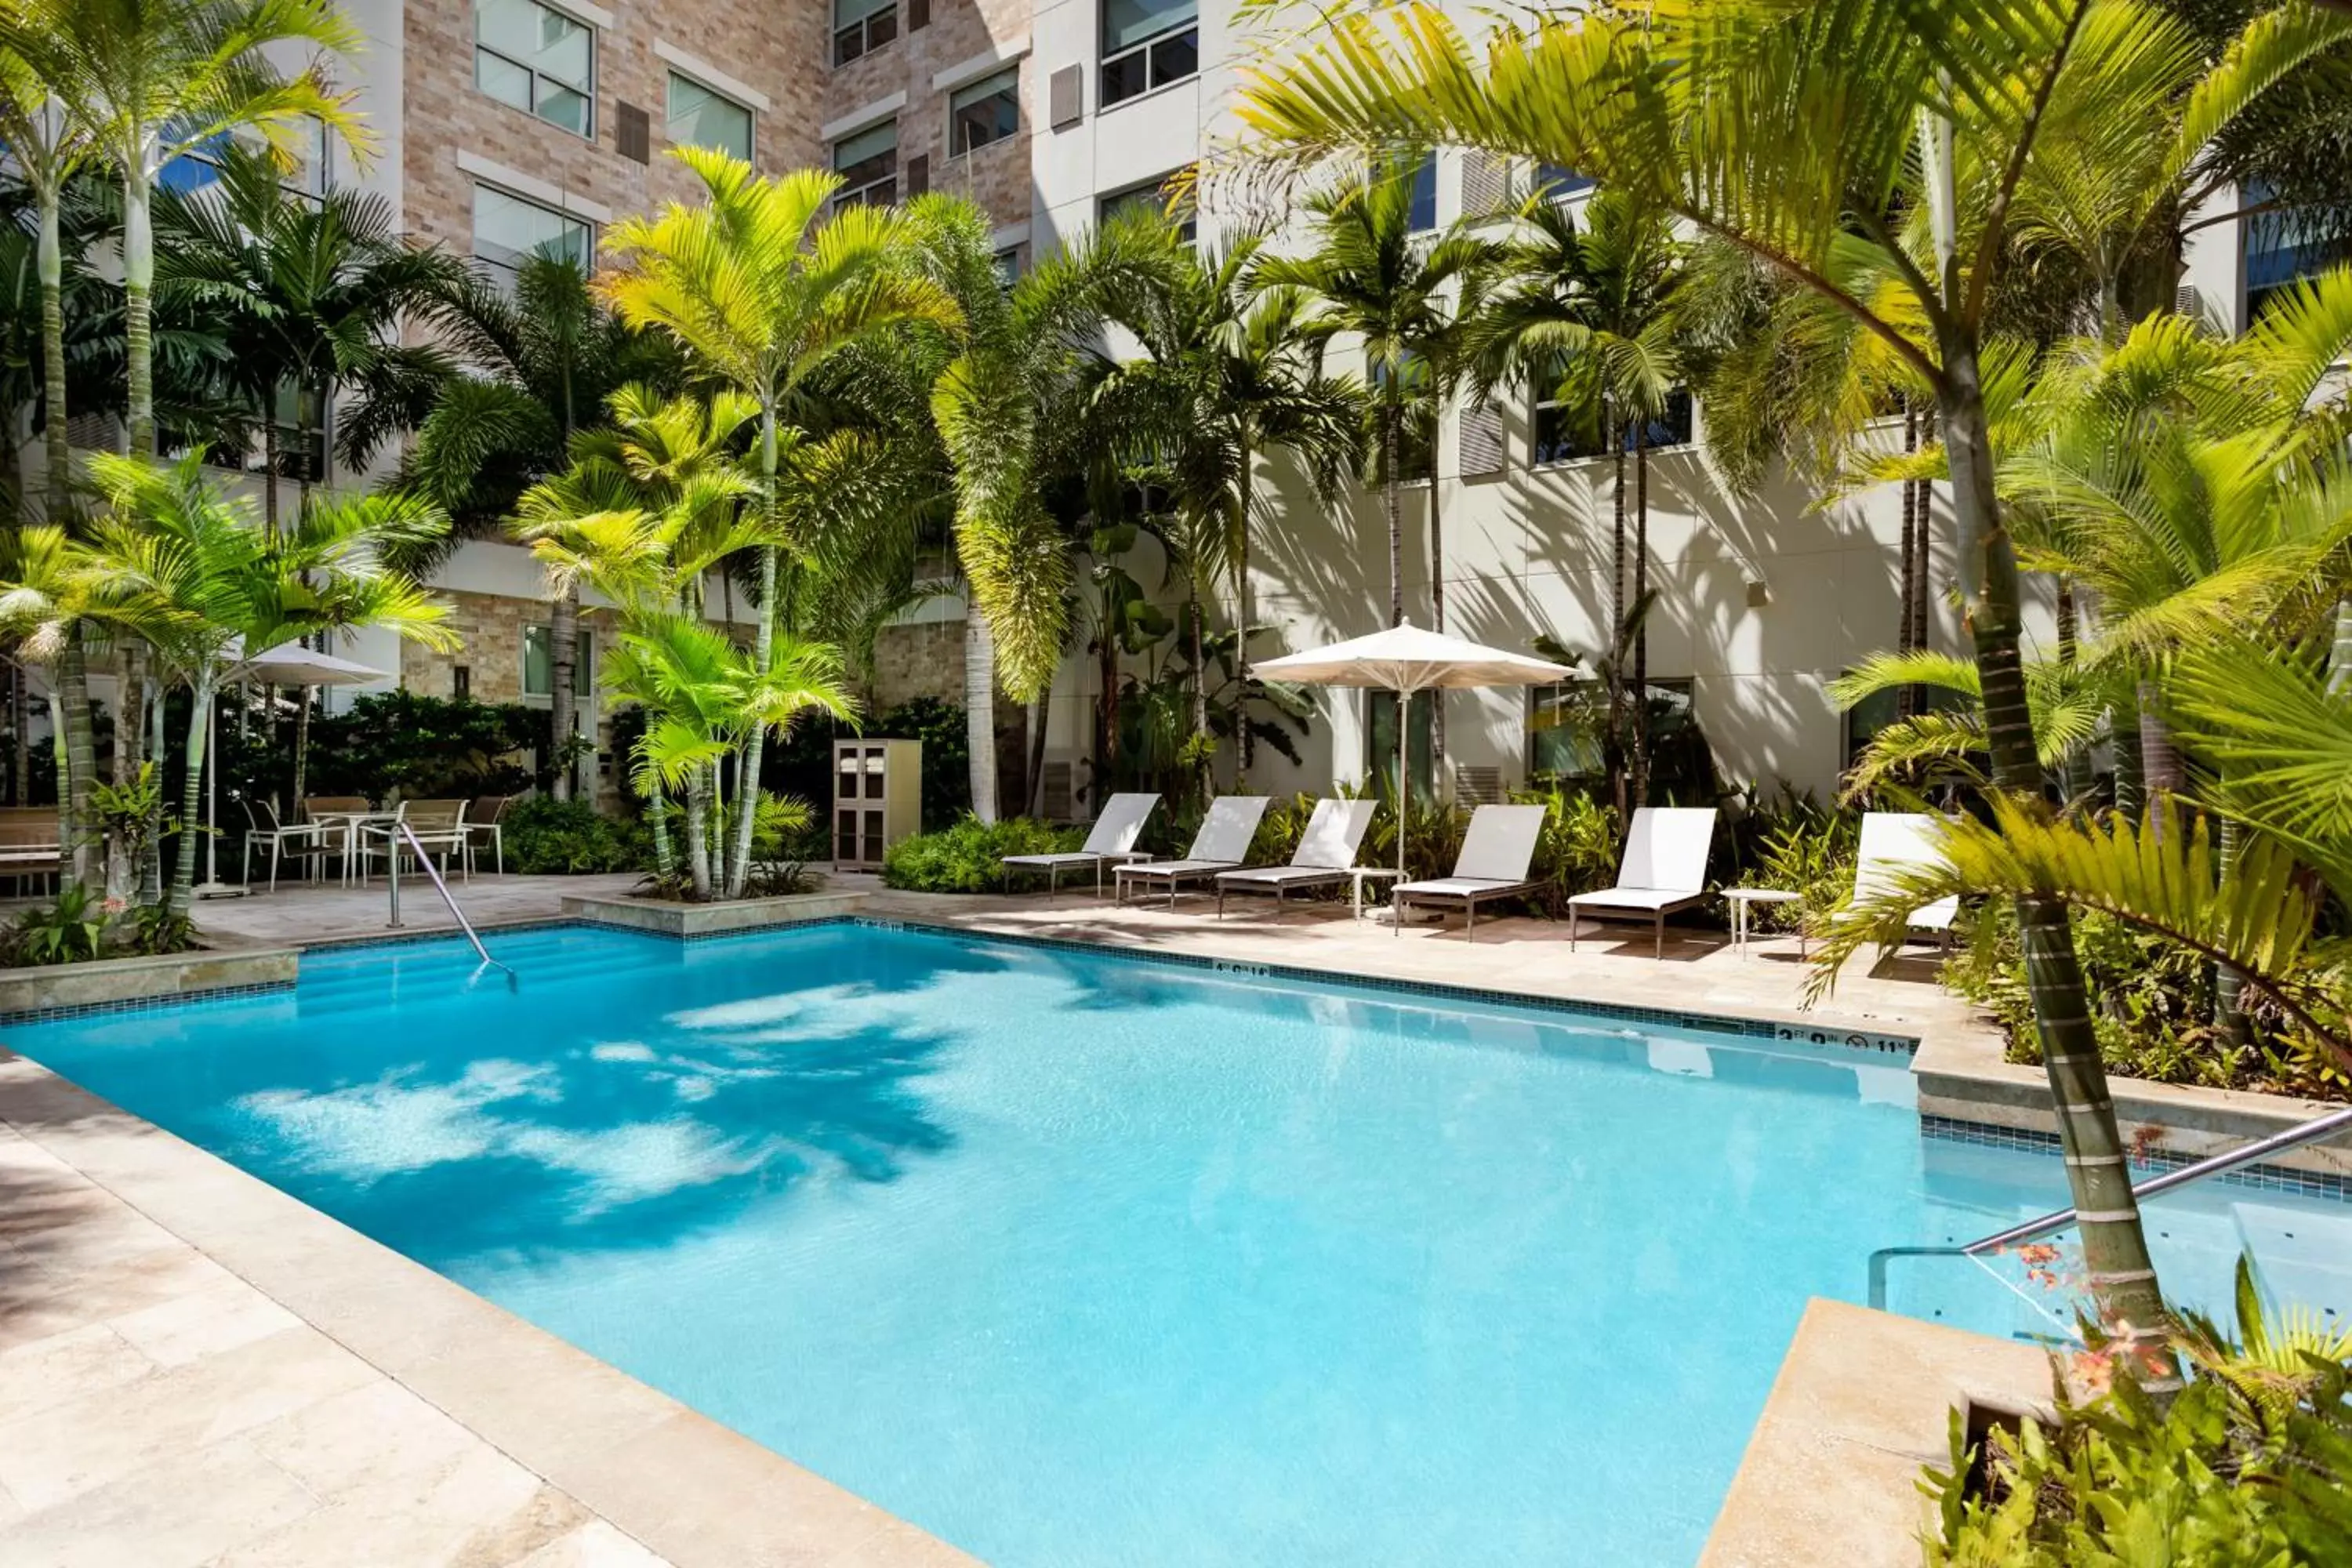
1664,870
1113,839
1222,844
1325,851
1495,854
1896,841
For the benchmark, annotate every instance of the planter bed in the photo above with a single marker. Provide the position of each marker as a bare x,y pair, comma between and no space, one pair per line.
665,918
106,981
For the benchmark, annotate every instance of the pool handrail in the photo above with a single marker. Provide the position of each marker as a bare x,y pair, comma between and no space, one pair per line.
401,830
2050,1223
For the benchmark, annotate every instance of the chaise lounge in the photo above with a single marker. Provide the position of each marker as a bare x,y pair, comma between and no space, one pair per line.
1112,840
1664,870
1325,851
1897,841
1221,845
1495,854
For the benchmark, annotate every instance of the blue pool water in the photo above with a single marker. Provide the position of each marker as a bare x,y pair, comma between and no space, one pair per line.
1075,1260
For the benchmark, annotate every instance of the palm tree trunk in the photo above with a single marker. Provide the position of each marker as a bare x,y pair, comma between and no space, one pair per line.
1391,414
2162,772
269,472
2229,986
563,664
131,710
979,711
657,821
2115,1247
1033,781
2074,768
2131,773
20,726
192,796
151,868
1638,787
1614,747
139,303
1244,742
1922,558
1203,781
1436,617
58,448
1905,696
81,758
2339,656
763,650
698,839
301,744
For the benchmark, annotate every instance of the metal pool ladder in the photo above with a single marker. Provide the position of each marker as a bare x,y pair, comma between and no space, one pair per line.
400,830
2050,1223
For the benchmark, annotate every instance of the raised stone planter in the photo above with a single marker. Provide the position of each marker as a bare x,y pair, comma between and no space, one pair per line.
1960,1075
110,980
1862,1402
683,921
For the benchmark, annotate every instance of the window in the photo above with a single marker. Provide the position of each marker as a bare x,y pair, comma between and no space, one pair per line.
537,59
2281,247
867,163
1170,196
303,146
508,231
988,111
1565,431
538,662
1424,194
1559,182
1381,743
1009,266
1147,44
700,118
862,27
1568,724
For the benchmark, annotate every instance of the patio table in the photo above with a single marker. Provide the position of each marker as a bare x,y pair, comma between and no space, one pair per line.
351,825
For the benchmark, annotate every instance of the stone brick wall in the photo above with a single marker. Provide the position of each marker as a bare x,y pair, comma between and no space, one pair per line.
995,177
778,49
490,629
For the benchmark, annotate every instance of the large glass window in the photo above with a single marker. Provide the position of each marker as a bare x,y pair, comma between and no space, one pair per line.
1170,196
700,118
867,163
1424,193
537,59
862,27
1567,726
1564,432
1381,743
1147,44
538,662
1558,182
301,147
509,230
988,111
2281,247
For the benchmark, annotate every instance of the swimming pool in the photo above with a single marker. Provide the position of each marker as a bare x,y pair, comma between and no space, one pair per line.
1073,1258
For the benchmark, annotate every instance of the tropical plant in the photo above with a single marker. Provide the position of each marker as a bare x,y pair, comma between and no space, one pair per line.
762,286
72,929
1008,413
1589,319
1872,161
2250,1465
1369,276
191,571
1230,371
544,836
48,146
969,857
149,81
545,360
46,597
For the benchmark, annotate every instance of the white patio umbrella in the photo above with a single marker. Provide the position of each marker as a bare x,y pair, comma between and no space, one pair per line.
288,664
1406,659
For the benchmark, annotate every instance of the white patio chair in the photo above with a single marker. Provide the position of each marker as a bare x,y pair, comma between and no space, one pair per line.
1222,844
1896,841
304,843
1113,839
1325,851
1664,870
1495,854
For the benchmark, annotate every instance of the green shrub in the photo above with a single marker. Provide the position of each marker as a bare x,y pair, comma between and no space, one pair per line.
79,926
1796,845
2249,1467
568,838
968,857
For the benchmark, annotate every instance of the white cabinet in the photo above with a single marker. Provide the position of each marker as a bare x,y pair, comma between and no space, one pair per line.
877,799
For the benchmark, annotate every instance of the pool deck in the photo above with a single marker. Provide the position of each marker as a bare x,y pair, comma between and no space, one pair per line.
196,1369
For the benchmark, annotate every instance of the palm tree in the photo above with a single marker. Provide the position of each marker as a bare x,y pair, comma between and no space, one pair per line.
191,571
1591,317
317,293
1005,409
544,361
1228,375
761,293
46,602
151,81
1854,121
1374,277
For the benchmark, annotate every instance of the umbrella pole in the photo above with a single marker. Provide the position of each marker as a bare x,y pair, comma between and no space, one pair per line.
1404,773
